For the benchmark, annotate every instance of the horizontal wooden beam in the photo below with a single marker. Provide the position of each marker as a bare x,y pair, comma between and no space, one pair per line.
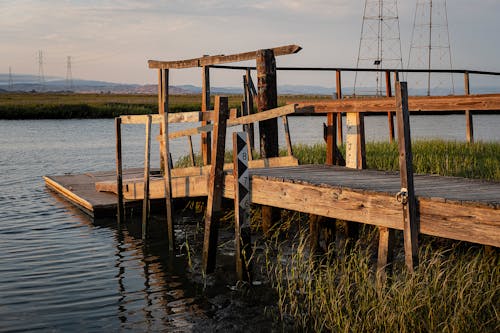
260,116
220,59
178,117
487,102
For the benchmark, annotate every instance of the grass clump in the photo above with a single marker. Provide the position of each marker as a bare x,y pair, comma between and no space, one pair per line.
453,290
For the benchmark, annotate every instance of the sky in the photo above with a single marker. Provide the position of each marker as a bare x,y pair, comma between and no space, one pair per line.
112,40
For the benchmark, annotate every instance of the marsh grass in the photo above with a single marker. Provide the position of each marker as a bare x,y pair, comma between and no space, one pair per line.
456,287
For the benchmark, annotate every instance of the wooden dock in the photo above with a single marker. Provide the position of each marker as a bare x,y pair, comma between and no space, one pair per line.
448,207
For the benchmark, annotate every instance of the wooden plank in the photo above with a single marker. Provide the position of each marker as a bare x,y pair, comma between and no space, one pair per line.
206,137
120,214
220,59
408,199
216,185
178,117
486,102
191,151
147,168
270,114
242,206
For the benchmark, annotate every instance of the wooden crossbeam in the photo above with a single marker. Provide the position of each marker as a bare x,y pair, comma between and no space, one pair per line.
486,102
270,114
220,59
178,117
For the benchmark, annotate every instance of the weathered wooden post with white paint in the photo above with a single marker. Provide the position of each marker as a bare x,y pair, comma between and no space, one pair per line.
242,205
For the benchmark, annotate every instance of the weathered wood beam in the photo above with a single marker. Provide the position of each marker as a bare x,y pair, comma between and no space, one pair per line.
469,125
147,168
486,102
267,99
220,59
242,206
270,114
206,137
407,194
178,117
216,185
119,171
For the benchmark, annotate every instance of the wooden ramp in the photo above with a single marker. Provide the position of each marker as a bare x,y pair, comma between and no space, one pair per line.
449,207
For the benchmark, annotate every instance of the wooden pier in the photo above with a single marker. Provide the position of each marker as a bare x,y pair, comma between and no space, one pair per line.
448,207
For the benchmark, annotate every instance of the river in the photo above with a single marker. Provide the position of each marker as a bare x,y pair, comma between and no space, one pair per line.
59,271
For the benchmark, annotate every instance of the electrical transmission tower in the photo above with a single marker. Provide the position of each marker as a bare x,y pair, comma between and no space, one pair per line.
11,81
379,45
41,75
430,46
69,75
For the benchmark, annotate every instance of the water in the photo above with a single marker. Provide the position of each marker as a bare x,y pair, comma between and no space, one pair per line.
61,272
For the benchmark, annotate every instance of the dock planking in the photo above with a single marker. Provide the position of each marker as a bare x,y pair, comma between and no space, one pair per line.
449,207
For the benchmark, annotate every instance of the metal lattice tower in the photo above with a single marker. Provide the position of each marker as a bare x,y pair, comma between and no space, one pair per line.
379,45
11,81
41,75
69,75
430,46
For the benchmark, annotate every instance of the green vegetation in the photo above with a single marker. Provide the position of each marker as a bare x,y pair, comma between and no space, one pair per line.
480,160
67,106
455,289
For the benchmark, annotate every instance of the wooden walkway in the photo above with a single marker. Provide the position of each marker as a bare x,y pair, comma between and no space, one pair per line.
450,207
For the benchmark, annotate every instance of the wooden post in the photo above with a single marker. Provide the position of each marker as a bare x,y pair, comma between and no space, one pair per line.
120,217
331,140
338,80
205,106
355,141
268,129
242,206
249,128
215,185
385,252
147,167
288,139
469,126
191,151
390,118
165,153
407,194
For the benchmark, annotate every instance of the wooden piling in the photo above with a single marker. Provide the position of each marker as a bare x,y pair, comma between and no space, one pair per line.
165,153
191,151
268,129
407,194
215,186
390,116
338,80
120,216
205,106
249,128
242,206
147,167
288,138
355,141
469,126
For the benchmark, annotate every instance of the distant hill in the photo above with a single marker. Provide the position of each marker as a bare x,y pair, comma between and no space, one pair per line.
27,83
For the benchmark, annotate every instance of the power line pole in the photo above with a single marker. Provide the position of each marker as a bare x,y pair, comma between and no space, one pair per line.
69,75
11,81
41,75
430,45
379,45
